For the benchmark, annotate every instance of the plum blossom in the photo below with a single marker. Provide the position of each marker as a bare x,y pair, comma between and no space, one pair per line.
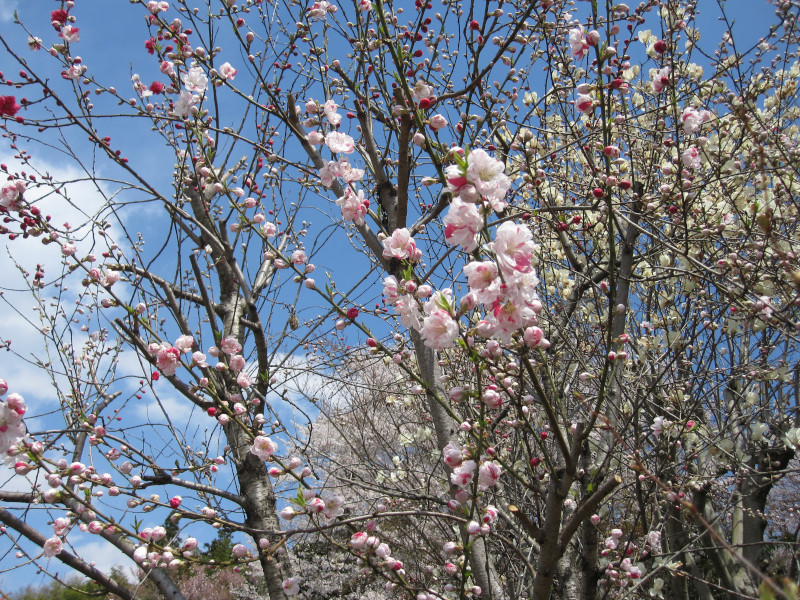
439,329
421,90
578,45
661,80
462,475
315,138
693,119
401,245
184,104
354,206
488,474
488,177
452,455
437,122
320,9
513,248
408,309
329,109
391,289
691,158
12,428
184,343
291,586
230,345
263,447
584,103
227,71
70,34
11,193
52,546
334,506
168,359
340,142
195,80
462,222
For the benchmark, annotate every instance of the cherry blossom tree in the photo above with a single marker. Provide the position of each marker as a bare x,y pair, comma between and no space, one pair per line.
495,300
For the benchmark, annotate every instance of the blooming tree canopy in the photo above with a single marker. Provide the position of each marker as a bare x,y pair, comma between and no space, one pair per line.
494,301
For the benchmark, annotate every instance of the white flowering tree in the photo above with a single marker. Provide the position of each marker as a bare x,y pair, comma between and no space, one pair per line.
495,300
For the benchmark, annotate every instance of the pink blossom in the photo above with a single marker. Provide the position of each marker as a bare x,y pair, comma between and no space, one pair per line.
408,309
463,474
693,119
184,343
492,399
340,142
353,205
291,586
195,80
230,345
263,447
480,275
391,289
437,122
168,359
167,68
462,223
401,245
691,158
199,359
584,103
227,71
452,455
329,109
439,329
421,90
488,474
52,546
488,177
318,11
315,138
661,80
359,540
577,42
70,34
334,506
513,248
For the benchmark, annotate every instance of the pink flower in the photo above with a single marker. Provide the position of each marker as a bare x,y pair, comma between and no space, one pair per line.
52,546
452,455
8,106
462,223
291,586
340,142
463,474
661,80
317,11
236,363
691,158
693,119
195,80
492,399
488,474
184,343
401,245
358,540
584,103
227,71
513,248
437,122
70,34
263,447
391,289
353,205
329,109
230,346
577,42
488,177
334,506
315,138
168,359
